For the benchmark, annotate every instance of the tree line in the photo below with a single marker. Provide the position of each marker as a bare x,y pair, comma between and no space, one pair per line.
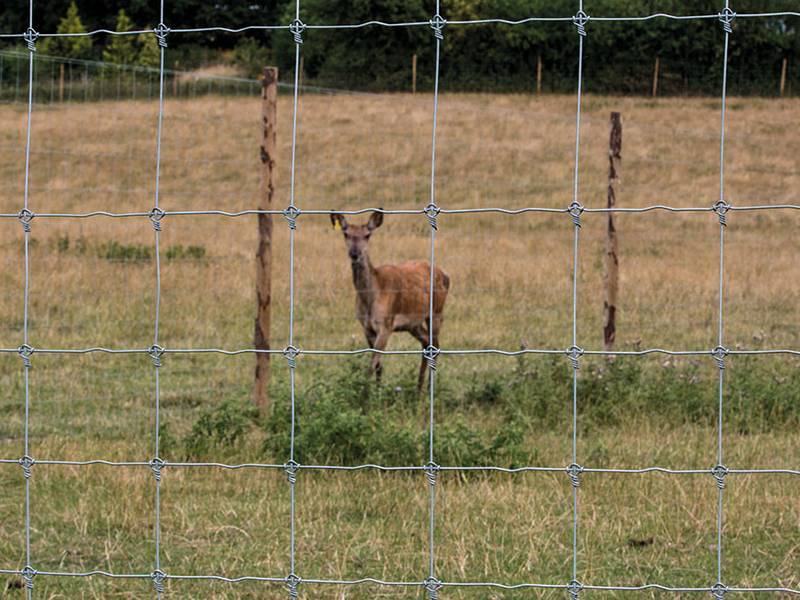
619,57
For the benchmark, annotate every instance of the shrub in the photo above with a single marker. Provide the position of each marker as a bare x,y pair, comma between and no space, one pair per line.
222,426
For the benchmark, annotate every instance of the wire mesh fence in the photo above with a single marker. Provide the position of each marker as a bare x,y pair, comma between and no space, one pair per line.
574,215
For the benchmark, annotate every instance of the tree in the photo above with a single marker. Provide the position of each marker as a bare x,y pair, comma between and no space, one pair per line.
121,49
70,47
149,52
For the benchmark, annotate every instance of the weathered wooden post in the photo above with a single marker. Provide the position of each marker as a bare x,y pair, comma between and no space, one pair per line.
414,73
656,70
61,82
539,75
612,258
269,122
784,66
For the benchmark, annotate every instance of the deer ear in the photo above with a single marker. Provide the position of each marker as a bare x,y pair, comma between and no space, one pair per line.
375,220
338,221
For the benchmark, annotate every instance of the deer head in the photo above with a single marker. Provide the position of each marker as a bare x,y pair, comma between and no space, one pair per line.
357,236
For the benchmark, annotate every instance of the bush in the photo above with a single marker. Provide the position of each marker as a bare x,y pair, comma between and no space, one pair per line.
223,426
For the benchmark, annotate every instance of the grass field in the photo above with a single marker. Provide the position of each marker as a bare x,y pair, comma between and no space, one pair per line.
92,284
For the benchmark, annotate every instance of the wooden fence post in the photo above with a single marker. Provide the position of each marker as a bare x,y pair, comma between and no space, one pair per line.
539,75
269,111
783,75
656,70
61,82
414,73
612,258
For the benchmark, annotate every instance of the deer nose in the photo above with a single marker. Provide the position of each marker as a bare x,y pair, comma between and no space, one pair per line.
353,253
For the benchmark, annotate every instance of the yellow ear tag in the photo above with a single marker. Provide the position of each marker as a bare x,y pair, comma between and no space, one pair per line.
337,225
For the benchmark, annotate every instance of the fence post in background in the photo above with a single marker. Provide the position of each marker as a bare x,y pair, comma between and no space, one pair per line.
612,259
61,82
539,75
784,66
414,73
656,70
269,112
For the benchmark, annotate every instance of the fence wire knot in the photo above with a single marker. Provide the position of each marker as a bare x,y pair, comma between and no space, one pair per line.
718,590
156,465
719,353
25,351
291,468
574,588
722,208
432,472
28,573
432,212
291,213
155,216
432,586
26,462
290,353
430,353
574,471
30,37
574,353
719,472
158,576
25,217
726,17
155,351
437,24
575,210
161,31
580,20
297,28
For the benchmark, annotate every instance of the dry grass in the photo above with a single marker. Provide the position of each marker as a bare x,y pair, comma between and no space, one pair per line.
511,285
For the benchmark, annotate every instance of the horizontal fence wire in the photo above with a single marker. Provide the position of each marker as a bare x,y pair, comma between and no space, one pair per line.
432,583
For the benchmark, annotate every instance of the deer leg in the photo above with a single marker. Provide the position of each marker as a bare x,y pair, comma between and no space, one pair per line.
381,340
370,335
420,334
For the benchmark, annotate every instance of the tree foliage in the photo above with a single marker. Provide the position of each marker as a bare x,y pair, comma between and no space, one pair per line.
71,47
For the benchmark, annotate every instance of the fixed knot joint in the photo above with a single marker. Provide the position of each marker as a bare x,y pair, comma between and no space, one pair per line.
292,581
30,36
432,586
719,353
297,27
290,353
432,212
580,20
161,32
574,472
25,217
575,211
722,208
156,352
26,462
158,576
156,465
28,573
290,214
291,468
25,351
574,354
155,216
719,472
430,353
437,23
726,17
718,590
432,472
574,588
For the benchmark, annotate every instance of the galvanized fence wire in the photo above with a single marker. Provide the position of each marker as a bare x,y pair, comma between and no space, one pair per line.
432,583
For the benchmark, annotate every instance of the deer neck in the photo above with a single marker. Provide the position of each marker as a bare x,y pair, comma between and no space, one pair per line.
364,279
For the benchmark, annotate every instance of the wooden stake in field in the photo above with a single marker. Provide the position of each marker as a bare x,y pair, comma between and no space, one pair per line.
656,70
539,75
269,116
61,82
784,66
414,73
612,258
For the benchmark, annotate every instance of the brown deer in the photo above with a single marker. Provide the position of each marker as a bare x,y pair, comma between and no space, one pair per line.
392,298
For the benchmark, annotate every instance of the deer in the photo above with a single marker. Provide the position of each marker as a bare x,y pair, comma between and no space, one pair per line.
393,297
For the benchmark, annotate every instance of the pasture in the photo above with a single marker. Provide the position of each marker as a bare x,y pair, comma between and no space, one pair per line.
92,284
